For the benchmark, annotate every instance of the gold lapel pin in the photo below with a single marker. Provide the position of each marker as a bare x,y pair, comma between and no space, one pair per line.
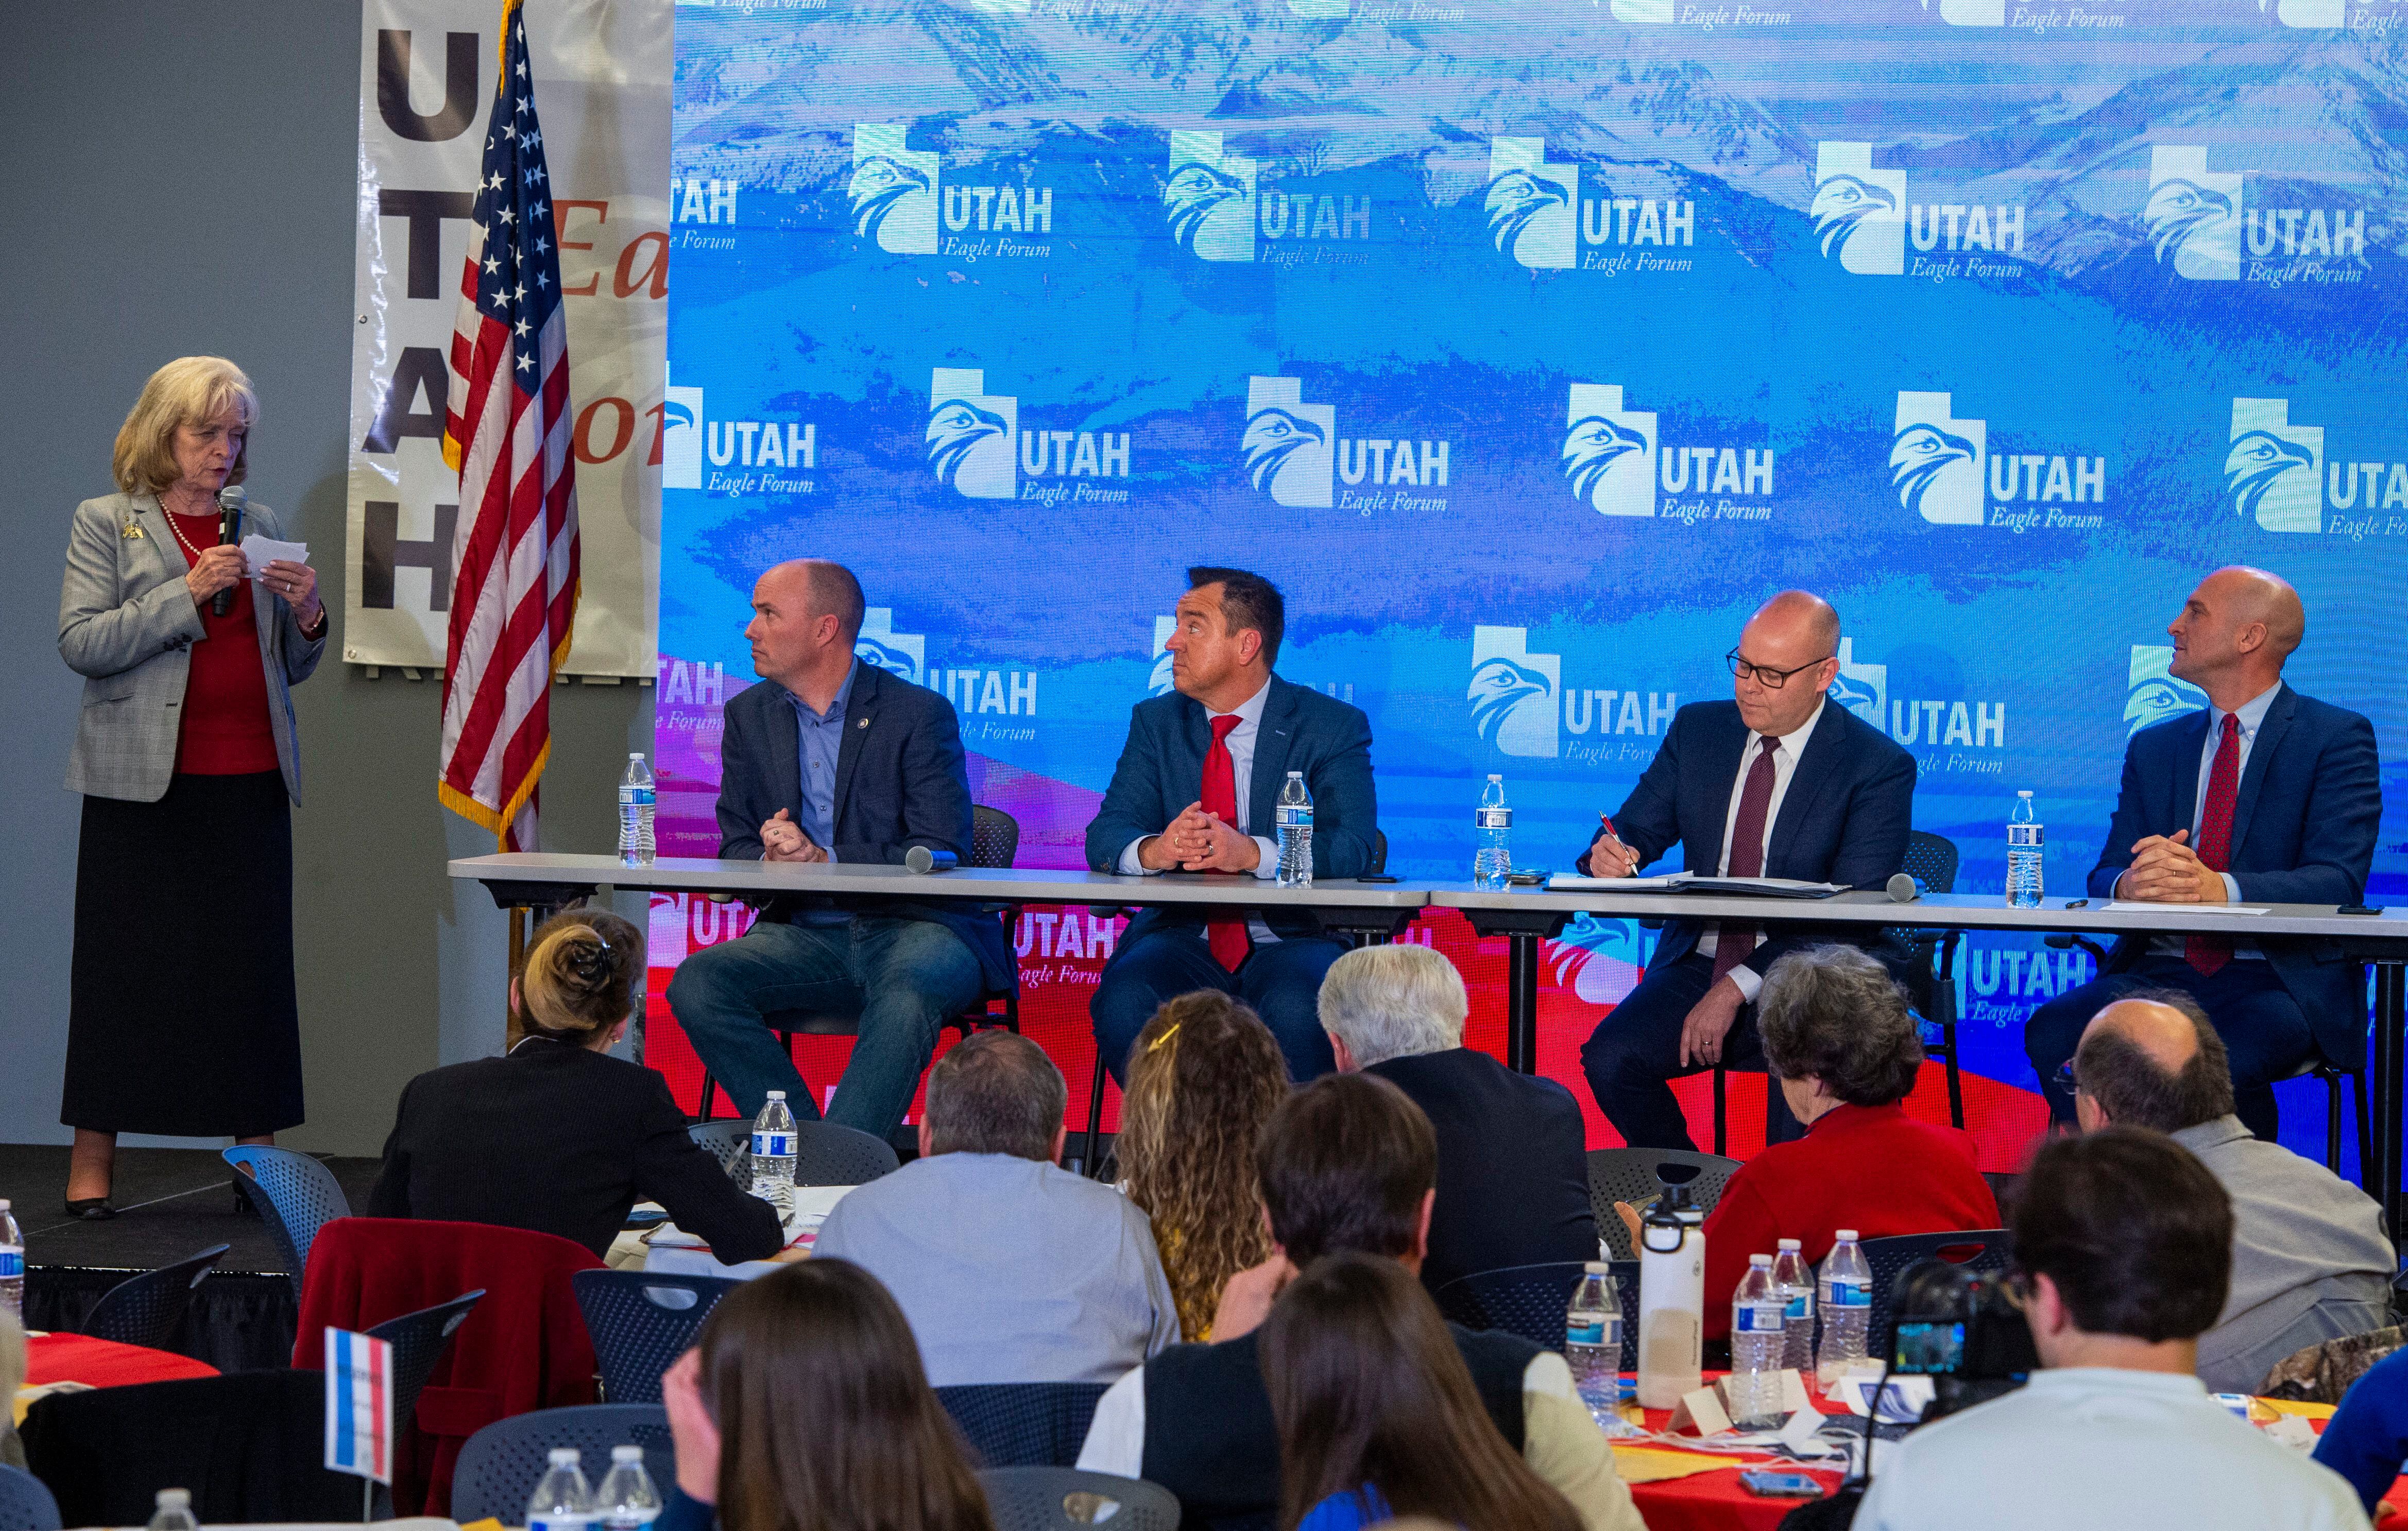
863,723
132,531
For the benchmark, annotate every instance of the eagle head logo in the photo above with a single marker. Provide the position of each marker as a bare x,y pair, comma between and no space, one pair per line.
1592,446
1188,198
1497,687
2256,460
1918,456
2178,208
1272,436
1857,697
885,657
676,414
1514,198
878,184
955,426
1841,203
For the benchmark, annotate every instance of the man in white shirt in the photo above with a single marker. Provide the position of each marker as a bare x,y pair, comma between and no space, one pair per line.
2125,1240
1775,782
1347,1164
1196,790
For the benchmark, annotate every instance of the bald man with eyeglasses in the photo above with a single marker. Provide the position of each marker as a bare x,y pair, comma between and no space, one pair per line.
1777,782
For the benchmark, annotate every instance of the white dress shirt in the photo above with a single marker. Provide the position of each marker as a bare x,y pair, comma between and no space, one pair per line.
1241,757
2252,716
1785,755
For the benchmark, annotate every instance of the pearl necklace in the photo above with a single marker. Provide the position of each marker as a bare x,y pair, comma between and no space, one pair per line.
191,551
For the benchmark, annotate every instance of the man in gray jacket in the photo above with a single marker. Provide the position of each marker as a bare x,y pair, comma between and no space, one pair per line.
2310,1261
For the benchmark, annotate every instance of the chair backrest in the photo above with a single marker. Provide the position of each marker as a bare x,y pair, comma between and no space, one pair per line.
994,836
641,1322
1931,860
145,1309
25,1502
502,1462
824,1153
1067,1500
1528,1301
1024,1424
302,1196
1629,1173
728,1140
419,1340
1981,1249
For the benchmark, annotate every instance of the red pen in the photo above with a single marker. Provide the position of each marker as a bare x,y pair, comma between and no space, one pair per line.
1616,835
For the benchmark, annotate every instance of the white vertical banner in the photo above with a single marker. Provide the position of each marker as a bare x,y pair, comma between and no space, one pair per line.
426,85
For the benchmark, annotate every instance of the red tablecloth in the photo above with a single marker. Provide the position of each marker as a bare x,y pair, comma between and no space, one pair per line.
104,1363
1715,1501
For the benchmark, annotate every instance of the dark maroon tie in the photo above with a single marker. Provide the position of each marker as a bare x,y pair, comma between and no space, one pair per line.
2209,953
1733,941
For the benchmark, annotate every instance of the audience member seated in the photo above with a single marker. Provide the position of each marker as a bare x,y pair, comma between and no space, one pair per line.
2310,1261
2124,1243
555,1135
1839,1040
1348,1164
1378,1415
802,1407
1009,1267
1204,1077
1513,1164
2366,1441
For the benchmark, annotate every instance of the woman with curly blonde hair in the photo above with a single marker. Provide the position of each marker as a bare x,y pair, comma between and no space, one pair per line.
1204,1077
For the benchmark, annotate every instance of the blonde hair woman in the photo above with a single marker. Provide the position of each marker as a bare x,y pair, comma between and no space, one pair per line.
557,1135
1204,1076
181,1016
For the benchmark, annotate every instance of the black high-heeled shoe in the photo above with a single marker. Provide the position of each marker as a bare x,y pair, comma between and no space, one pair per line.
92,1210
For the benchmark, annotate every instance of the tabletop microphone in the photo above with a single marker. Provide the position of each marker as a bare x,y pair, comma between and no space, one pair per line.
921,859
1901,889
230,500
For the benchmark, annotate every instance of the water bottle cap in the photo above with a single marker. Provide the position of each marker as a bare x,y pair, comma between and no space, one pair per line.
1791,1244
1295,776
638,754
563,1456
776,1094
1845,1236
4,1204
2026,793
1598,1267
626,1453
1759,1260
1495,776
174,1498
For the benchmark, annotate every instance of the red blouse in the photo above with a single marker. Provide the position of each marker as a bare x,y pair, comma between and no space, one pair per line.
226,730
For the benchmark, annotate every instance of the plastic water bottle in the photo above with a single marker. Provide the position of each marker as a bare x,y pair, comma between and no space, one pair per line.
626,1501
2024,854
1493,855
773,1155
1847,1308
1796,1283
12,1263
561,1502
1295,833
636,814
174,1511
1593,1340
1671,1298
1758,1331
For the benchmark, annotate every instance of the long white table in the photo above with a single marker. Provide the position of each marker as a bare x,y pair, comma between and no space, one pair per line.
1370,911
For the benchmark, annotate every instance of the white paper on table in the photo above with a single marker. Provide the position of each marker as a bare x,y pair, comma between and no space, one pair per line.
1661,883
259,552
812,1204
2189,909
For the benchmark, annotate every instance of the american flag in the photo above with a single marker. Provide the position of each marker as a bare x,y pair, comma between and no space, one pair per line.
506,430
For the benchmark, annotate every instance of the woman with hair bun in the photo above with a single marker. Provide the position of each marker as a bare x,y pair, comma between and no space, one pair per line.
557,1135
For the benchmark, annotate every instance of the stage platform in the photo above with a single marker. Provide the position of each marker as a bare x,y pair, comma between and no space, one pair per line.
171,1203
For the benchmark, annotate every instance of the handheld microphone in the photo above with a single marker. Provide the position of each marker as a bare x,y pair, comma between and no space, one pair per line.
231,499
1901,889
921,859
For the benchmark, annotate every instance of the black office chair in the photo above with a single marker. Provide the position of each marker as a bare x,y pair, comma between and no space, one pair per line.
640,1323
1067,1500
419,1340
1528,1301
995,841
1024,1424
1629,1173
2314,1066
1090,1162
145,1309
824,1152
1980,1249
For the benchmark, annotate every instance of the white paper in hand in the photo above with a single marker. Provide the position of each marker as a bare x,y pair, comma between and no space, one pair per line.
259,552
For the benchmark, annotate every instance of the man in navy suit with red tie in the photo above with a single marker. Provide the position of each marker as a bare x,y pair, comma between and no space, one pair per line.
1195,791
1781,783
2268,796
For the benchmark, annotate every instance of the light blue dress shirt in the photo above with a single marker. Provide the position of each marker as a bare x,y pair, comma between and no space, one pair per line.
819,741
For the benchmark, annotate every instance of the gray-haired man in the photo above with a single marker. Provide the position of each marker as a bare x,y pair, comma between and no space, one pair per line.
1513,1174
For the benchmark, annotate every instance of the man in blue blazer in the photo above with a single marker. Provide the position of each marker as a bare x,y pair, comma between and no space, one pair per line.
831,760
1777,782
2268,796
1195,791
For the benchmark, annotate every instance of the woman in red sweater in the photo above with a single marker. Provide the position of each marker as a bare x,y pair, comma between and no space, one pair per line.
1838,1038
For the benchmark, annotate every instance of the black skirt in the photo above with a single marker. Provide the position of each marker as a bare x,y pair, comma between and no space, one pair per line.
181,1017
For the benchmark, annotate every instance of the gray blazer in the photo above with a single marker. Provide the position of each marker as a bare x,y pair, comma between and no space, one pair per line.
127,626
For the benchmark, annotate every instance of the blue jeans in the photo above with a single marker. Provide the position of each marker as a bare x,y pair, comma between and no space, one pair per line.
905,979
1280,980
2265,1033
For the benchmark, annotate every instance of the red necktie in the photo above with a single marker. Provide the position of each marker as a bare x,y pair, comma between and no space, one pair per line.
1733,941
2209,953
1226,937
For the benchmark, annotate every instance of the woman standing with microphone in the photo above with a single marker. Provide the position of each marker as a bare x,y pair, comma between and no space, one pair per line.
181,1016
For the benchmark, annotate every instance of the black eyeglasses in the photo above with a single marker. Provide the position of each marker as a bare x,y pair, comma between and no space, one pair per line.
1766,676
2063,1078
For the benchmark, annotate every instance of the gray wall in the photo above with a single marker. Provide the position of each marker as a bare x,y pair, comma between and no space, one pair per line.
178,178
